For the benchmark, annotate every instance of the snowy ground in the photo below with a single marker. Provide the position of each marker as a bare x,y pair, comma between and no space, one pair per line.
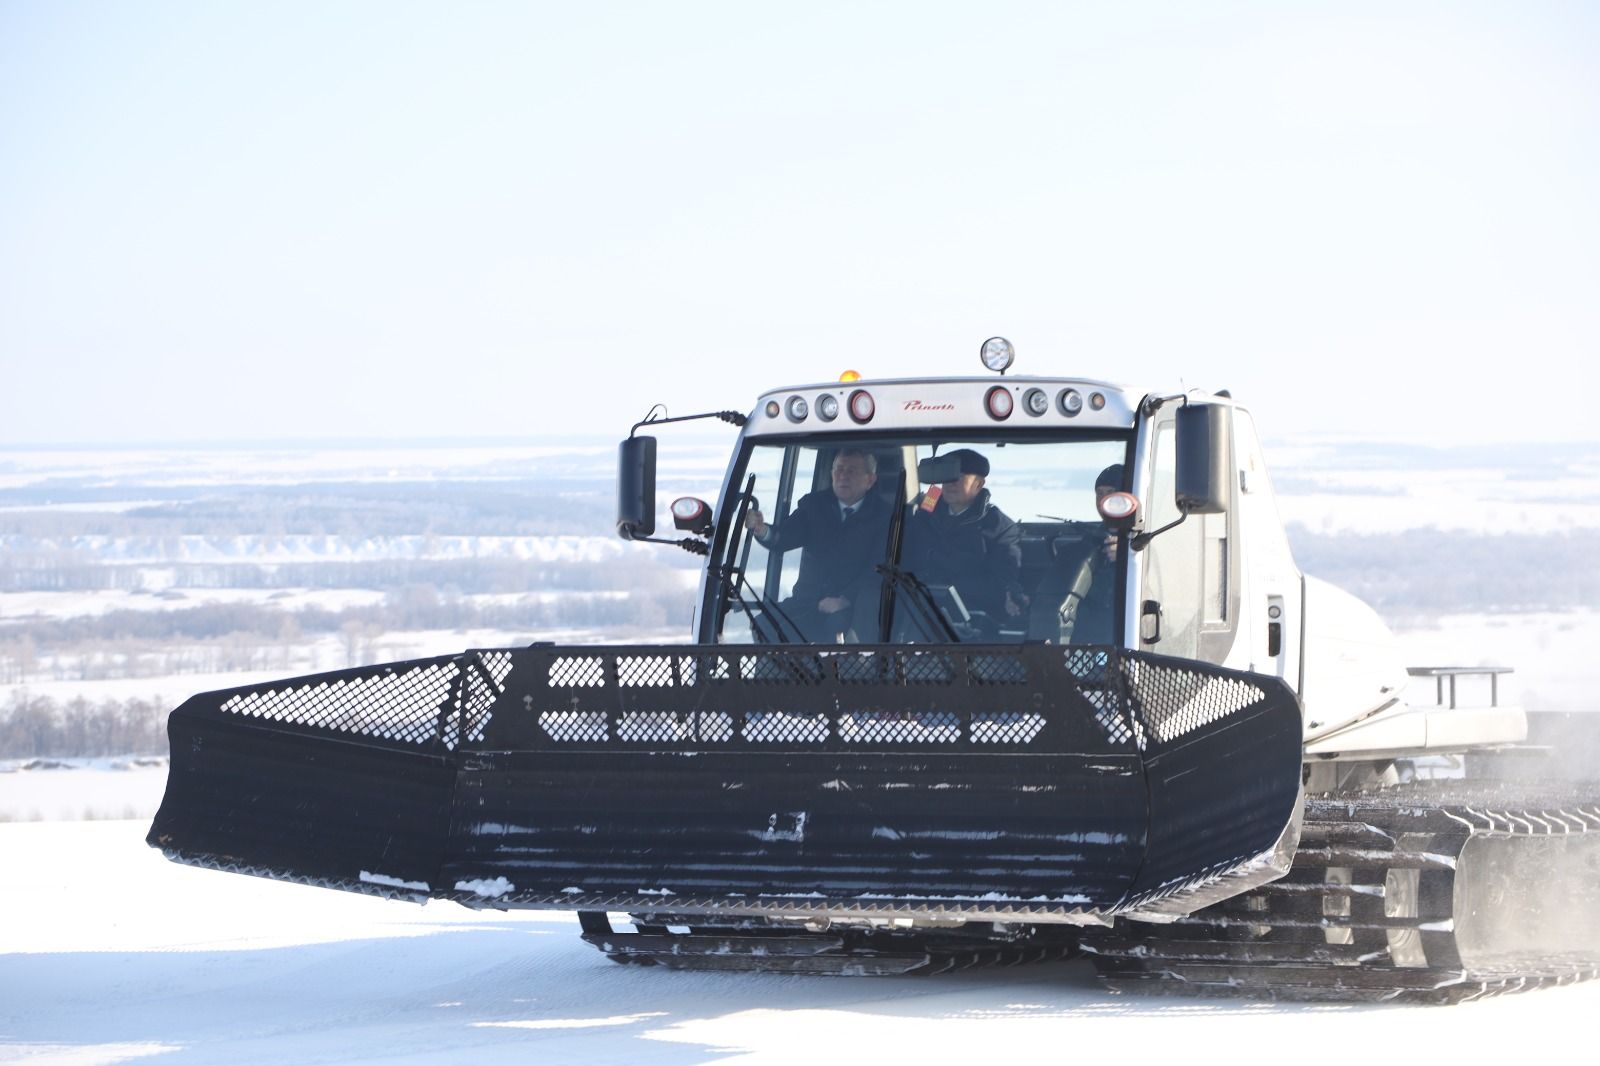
33,790
109,953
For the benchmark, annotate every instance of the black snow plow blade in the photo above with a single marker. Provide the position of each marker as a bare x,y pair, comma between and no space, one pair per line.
1031,782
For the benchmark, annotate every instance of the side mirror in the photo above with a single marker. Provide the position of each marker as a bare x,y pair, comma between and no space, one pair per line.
636,488
1204,475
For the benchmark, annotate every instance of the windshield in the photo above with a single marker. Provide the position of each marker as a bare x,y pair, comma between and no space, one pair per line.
919,539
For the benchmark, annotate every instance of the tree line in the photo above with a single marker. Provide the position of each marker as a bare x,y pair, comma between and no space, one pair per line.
38,726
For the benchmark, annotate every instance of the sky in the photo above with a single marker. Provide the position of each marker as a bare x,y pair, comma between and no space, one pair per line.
237,221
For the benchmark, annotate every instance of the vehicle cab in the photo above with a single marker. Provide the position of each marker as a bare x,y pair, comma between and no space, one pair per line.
1160,571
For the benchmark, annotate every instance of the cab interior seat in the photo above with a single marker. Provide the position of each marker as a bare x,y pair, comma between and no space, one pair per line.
1052,553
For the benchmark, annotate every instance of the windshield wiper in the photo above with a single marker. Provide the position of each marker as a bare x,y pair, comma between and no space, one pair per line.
769,609
923,608
746,498
891,552
734,580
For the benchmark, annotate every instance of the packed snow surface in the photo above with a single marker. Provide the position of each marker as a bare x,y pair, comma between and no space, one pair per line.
34,790
109,953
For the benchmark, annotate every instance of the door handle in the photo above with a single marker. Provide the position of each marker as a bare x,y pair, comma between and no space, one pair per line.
1150,622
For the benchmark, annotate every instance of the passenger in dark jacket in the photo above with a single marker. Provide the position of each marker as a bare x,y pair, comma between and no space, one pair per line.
843,532
1096,614
1076,600
956,536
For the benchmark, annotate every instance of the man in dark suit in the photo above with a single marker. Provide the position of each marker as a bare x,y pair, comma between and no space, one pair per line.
844,532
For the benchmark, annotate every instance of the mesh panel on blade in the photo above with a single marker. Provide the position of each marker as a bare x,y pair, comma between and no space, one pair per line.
1099,685
1173,701
484,685
389,703
578,671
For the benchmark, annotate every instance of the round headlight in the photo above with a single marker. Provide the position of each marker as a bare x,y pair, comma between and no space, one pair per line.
1070,401
797,408
828,407
997,354
1097,400
1035,402
1118,506
773,409
691,514
998,403
861,406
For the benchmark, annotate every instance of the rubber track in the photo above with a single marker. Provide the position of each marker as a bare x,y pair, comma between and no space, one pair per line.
1356,851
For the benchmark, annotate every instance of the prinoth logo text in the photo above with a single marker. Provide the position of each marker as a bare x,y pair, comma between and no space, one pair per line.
918,405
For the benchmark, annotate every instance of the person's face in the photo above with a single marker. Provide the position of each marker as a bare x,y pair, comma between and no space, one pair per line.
960,493
851,480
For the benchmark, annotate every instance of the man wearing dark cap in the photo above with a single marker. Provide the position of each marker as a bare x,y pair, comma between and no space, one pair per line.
956,536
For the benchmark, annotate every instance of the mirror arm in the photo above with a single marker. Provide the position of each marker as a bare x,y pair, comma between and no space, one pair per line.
689,544
1151,404
652,419
1141,539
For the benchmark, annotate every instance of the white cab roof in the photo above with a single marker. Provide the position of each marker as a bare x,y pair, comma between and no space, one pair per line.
948,403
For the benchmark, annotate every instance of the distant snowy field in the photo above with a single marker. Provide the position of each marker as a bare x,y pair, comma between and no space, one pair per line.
1329,486
292,548
690,455
111,954
1329,489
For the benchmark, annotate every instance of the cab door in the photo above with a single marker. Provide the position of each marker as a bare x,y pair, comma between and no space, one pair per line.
1188,595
